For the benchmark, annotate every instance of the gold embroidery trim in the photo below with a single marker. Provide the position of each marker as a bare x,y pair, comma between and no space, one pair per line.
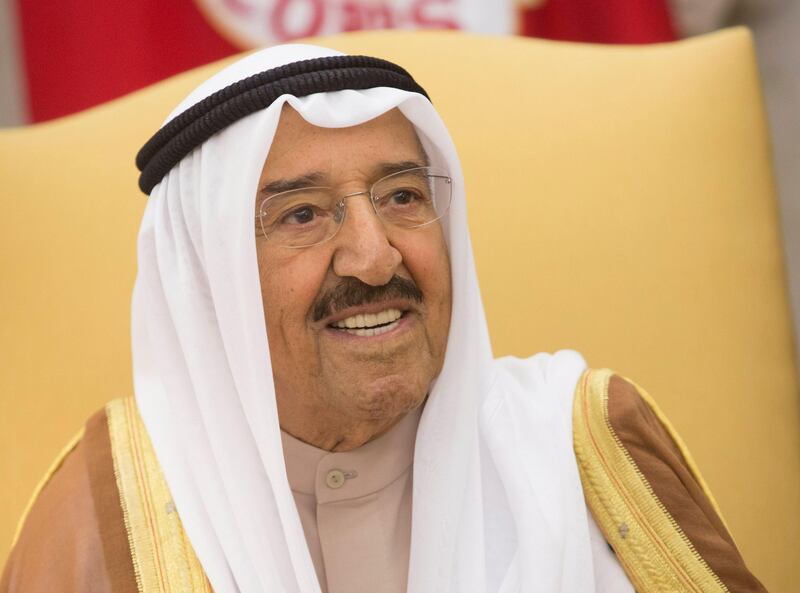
62,455
163,559
656,554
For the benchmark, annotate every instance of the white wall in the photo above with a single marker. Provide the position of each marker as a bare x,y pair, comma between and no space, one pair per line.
12,103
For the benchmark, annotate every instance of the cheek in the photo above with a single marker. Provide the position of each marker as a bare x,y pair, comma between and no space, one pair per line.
290,282
429,265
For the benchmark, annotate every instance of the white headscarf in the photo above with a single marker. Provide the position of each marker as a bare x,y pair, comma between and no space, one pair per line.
497,501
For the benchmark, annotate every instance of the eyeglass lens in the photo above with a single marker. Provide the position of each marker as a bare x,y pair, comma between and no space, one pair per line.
305,217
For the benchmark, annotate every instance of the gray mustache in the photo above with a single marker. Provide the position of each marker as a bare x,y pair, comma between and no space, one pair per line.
351,292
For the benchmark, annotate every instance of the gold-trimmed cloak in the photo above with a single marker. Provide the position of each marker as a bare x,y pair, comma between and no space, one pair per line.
103,520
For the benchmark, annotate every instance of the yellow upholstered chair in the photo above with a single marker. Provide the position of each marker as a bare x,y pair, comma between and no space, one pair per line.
621,203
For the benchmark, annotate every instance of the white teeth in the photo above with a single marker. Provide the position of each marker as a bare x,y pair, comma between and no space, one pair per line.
372,331
367,322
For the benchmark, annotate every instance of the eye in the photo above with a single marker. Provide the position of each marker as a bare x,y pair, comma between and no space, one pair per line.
299,216
404,197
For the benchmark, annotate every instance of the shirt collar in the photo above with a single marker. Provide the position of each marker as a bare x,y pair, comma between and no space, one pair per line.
362,471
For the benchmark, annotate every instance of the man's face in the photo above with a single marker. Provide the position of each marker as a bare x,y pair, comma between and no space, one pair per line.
327,375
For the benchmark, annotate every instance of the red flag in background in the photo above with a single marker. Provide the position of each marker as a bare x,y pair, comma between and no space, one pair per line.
79,53
598,21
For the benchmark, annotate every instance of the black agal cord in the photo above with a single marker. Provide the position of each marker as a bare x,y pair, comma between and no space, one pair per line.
213,114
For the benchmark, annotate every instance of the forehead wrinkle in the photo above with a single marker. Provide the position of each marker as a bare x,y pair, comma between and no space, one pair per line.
293,125
318,178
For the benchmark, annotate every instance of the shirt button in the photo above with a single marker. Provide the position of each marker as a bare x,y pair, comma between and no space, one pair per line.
335,479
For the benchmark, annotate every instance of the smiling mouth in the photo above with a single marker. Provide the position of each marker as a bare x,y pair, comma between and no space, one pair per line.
369,324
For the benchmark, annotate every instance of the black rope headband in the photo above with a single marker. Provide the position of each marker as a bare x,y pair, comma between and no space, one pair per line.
213,114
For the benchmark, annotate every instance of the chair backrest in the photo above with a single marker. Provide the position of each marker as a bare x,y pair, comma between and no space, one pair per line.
621,203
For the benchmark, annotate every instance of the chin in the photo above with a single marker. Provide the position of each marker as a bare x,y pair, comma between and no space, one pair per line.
390,397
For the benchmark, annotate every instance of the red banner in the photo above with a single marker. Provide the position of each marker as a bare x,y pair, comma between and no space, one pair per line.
78,53
600,21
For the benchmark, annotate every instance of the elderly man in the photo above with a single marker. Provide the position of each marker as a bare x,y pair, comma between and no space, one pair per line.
316,403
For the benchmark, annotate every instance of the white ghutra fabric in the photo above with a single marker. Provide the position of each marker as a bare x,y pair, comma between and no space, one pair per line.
497,499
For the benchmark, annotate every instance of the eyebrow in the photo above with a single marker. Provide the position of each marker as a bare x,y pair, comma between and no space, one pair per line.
313,179
317,178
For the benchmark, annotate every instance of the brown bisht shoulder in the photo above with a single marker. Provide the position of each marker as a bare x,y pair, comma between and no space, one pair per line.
73,537
647,495
103,519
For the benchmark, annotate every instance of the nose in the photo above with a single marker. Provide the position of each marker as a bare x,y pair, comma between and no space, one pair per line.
363,249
